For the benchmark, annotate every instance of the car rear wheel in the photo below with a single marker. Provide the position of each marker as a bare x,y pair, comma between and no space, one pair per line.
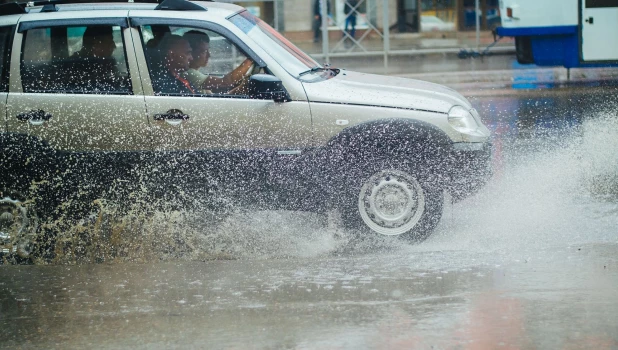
392,200
19,226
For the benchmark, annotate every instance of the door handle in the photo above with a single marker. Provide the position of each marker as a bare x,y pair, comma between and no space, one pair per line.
172,117
34,117
590,20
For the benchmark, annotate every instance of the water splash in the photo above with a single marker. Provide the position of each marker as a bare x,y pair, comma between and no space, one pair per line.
561,192
555,188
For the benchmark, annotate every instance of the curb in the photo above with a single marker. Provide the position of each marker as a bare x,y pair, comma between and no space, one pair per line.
520,81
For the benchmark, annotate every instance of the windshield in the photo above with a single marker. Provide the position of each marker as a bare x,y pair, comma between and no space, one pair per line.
290,57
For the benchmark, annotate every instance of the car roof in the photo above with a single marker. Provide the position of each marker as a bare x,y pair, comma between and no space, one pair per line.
223,9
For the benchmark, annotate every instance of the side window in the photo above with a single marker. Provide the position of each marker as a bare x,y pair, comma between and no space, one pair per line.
89,59
195,62
5,56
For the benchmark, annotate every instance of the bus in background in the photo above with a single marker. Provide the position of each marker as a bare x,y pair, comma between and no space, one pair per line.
569,33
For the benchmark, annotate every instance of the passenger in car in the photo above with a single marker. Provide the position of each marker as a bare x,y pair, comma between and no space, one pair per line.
231,83
168,77
153,46
98,41
95,60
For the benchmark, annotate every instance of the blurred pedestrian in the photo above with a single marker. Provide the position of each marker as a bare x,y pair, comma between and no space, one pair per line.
350,9
317,18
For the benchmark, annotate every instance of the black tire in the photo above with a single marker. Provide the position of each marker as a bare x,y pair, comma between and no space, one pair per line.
19,225
27,166
523,47
396,199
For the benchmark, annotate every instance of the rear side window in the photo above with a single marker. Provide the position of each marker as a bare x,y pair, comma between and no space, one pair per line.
89,59
6,35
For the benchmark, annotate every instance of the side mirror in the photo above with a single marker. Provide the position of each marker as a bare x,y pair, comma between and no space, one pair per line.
267,87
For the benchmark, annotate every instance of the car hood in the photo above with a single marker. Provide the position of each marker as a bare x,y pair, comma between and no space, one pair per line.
378,90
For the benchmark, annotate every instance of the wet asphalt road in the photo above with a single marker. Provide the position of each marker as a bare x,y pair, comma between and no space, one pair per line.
530,262
561,297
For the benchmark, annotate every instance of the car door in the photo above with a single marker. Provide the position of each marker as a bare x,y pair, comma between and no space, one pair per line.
232,133
7,28
76,100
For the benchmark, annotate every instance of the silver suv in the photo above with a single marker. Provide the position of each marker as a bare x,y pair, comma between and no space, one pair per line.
200,97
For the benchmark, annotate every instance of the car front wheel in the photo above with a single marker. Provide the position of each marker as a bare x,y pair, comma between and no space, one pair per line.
394,201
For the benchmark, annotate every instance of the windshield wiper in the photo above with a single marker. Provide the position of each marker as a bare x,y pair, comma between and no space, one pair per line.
313,70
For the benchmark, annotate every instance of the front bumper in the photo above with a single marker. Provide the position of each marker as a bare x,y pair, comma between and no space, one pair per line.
470,168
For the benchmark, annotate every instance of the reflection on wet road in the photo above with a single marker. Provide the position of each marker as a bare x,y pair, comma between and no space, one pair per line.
529,262
555,298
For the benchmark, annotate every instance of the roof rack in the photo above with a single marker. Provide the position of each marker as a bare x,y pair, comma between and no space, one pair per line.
19,7
179,5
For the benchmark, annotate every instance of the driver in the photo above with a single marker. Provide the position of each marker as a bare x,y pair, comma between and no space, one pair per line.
231,83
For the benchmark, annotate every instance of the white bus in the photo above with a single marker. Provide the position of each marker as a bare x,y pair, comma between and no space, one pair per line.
569,33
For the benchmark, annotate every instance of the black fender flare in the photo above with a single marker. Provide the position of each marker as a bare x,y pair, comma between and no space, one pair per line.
417,142
418,145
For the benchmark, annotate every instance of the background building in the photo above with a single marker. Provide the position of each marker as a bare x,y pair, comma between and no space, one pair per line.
295,17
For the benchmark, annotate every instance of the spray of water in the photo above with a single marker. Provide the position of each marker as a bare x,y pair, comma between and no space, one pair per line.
554,189
565,194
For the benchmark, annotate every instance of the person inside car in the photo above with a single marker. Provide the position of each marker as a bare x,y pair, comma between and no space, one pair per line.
231,83
152,49
98,42
168,77
95,61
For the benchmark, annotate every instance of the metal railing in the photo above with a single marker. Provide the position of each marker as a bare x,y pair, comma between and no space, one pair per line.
349,46
359,45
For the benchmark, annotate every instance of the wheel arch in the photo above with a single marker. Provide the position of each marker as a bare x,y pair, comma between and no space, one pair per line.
416,141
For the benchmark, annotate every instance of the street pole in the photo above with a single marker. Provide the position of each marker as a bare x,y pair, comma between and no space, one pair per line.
386,33
478,25
324,15
276,8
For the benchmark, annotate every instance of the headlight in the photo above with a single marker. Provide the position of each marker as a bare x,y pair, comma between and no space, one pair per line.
462,120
